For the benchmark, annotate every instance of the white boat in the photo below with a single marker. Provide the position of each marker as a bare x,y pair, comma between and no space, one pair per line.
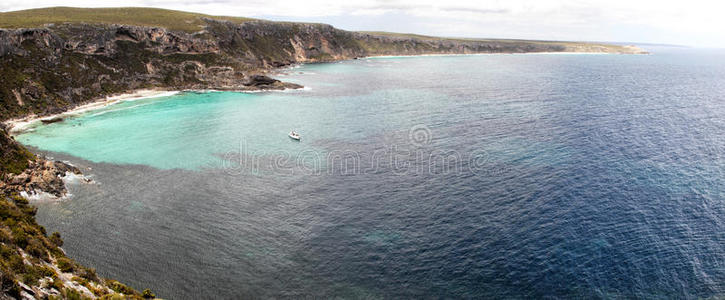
294,135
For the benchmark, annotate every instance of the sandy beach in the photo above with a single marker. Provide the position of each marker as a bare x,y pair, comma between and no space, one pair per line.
16,126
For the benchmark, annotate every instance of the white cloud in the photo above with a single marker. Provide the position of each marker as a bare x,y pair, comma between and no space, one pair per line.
692,22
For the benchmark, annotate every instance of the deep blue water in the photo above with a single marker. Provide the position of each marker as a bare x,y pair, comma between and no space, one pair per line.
492,176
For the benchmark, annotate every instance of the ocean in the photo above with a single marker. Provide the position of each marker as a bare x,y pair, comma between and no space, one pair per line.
472,176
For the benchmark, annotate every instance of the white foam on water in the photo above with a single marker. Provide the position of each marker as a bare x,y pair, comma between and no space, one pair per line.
72,178
41,196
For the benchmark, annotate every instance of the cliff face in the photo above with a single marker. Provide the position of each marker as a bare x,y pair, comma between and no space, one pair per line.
48,70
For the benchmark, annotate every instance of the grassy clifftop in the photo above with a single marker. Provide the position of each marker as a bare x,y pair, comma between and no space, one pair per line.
139,16
194,22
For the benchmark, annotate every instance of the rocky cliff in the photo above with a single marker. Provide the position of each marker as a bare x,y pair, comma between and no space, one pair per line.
53,68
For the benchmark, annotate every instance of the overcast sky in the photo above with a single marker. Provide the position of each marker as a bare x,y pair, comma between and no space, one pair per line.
694,22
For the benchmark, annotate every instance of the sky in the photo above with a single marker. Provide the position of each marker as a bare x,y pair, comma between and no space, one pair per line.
693,23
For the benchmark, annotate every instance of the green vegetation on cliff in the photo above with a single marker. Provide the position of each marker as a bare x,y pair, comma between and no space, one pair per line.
13,157
139,16
32,263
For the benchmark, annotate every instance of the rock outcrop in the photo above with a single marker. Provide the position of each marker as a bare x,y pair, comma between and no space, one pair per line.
41,176
52,120
262,82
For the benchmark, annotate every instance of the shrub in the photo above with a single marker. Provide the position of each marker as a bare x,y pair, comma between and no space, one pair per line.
34,273
81,281
19,200
36,249
88,274
20,238
46,271
6,251
120,288
31,211
97,290
56,240
58,284
57,252
65,265
5,234
10,221
148,294
31,277
113,297
71,294
8,284
14,158
16,263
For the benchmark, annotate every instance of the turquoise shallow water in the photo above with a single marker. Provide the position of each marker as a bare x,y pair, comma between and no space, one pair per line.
499,176
165,132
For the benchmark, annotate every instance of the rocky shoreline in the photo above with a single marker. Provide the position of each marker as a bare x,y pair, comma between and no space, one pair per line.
42,176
